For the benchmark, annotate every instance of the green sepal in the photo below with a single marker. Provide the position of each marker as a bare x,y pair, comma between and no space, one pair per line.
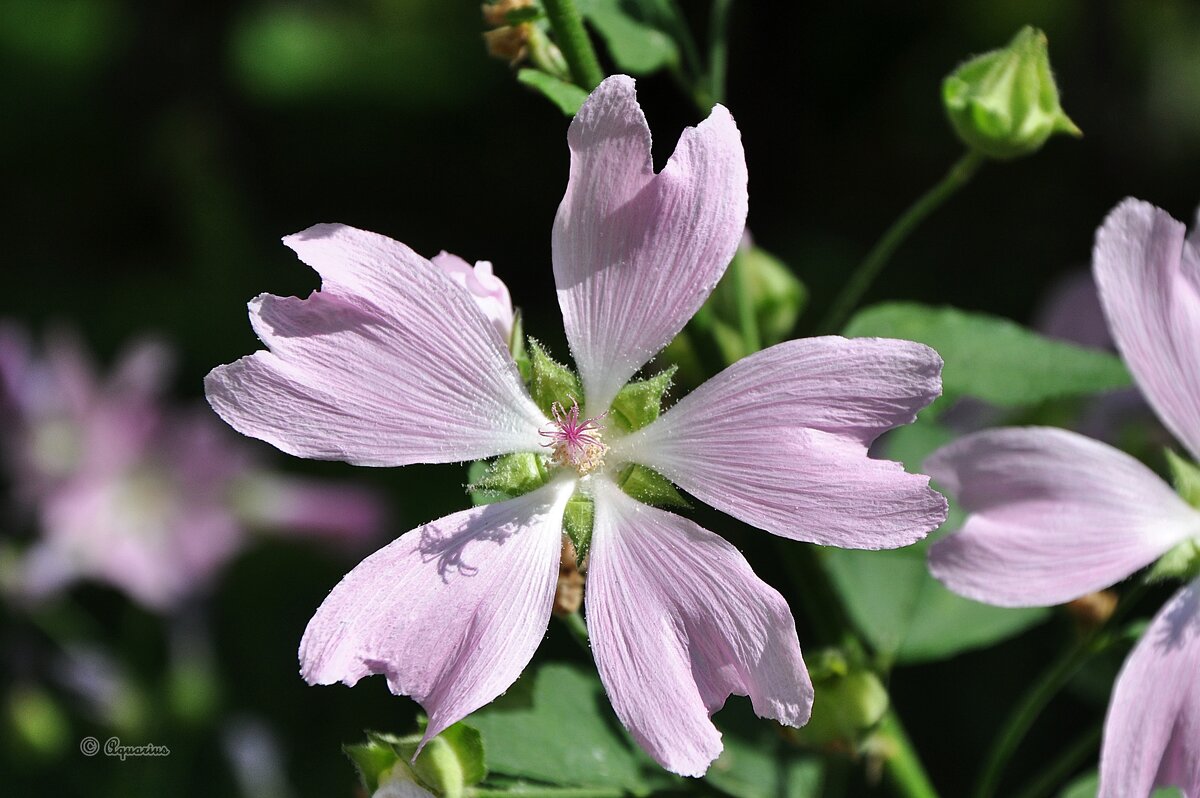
1181,563
650,487
1185,476
850,702
1004,103
375,758
551,381
640,402
577,523
506,477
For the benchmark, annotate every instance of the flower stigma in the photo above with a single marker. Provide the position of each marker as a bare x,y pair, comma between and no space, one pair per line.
576,444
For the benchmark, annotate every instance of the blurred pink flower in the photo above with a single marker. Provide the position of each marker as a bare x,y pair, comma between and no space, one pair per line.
127,490
391,363
1055,515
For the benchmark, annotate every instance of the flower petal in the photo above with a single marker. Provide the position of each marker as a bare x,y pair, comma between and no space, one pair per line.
1054,515
678,622
1152,732
635,253
779,439
1149,280
390,363
450,612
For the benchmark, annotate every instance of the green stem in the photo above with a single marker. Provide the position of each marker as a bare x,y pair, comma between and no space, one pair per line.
545,792
1044,689
572,39
877,258
747,318
681,33
718,49
903,767
578,629
1065,764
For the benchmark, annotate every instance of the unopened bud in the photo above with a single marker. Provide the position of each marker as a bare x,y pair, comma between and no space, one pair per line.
1004,104
511,28
850,702
1093,610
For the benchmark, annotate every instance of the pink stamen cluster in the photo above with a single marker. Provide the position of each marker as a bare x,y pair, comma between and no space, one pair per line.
576,444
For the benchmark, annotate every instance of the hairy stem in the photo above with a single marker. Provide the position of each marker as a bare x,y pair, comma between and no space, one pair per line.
747,319
866,272
718,49
572,39
1045,688
1065,764
902,766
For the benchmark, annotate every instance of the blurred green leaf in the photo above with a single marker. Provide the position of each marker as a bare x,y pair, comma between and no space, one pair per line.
561,733
992,358
757,762
635,41
567,96
908,615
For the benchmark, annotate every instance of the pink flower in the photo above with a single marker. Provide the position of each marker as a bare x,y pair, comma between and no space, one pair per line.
391,363
1055,515
127,490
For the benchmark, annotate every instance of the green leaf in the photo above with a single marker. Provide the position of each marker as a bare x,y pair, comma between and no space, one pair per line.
757,762
993,358
577,524
516,16
907,615
555,726
650,487
640,402
506,477
567,96
636,43
551,381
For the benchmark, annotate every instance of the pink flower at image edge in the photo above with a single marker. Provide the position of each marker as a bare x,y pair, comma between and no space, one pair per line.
1055,515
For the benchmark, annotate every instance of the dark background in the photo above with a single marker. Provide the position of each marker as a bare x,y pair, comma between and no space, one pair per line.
155,152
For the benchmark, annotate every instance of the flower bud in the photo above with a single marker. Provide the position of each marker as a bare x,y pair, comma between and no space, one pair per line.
850,702
1004,104
488,290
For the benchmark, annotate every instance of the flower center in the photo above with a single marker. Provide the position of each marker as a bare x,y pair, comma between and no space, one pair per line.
575,443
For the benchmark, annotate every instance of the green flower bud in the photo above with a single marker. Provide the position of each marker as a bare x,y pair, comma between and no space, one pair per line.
1004,104
850,701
